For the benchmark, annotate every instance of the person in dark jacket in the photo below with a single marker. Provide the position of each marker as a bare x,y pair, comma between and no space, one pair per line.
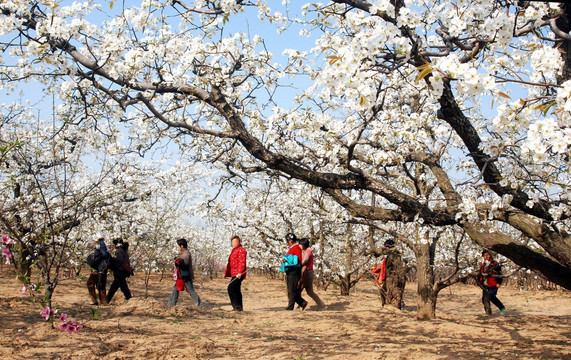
97,281
121,268
490,280
184,265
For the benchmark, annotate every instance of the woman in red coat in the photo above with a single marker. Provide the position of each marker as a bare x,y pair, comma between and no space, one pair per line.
236,269
293,275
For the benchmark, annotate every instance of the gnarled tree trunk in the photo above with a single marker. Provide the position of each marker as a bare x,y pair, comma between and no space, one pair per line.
427,295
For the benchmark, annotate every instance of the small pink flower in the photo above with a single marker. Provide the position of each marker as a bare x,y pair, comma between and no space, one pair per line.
6,240
27,288
78,327
46,313
7,254
63,317
64,326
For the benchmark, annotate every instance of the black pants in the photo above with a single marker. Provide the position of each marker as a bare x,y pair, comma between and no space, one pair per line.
492,295
235,293
293,292
119,282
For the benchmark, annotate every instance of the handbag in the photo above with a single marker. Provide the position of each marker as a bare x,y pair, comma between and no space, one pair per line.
179,282
290,262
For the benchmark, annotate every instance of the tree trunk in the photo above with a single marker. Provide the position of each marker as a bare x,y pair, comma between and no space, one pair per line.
50,287
321,251
345,285
346,279
426,297
564,46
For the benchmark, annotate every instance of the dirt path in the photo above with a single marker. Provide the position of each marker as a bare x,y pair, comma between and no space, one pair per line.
537,325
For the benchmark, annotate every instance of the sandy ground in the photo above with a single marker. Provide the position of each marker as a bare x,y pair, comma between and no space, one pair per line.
537,325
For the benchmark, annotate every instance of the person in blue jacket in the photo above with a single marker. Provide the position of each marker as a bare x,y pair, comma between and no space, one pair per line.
293,275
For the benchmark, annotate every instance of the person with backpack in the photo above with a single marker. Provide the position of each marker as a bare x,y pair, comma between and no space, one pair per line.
236,270
490,279
307,272
293,275
97,281
121,267
184,274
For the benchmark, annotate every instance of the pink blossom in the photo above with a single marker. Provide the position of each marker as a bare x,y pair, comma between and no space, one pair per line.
7,253
6,240
46,313
27,287
71,327
64,326
78,327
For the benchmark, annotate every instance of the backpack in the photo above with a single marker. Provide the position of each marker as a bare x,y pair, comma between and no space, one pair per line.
98,262
93,259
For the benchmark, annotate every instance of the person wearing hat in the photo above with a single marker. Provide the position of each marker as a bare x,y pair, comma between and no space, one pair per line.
119,265
97,281
293,275
184,265
490,279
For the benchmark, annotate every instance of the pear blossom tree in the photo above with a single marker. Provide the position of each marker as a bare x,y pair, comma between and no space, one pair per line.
54,202
448,113
46,195
160,216
264,214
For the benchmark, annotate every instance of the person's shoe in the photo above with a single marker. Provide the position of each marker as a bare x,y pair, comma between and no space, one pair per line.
304,305
323,308
502,310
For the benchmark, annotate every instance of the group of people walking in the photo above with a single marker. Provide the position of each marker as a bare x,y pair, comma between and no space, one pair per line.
301,276
101,261
298,278
297,265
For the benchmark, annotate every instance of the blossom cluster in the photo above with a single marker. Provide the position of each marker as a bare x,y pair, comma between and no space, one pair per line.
71,326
